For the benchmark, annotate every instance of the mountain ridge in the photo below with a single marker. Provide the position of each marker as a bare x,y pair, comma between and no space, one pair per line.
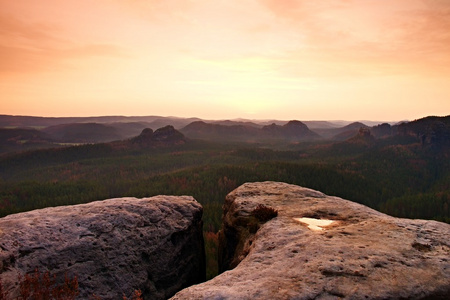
432,130
161,121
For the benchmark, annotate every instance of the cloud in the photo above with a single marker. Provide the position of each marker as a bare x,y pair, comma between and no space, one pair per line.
358,38
28,60
18,31
157,10
91,50
33,47
427,30
420,39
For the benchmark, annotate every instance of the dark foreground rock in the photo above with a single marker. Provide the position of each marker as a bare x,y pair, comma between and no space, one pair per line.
114,246
363,254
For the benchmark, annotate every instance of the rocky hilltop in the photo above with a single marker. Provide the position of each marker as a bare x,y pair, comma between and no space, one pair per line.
323,247
292,131
165,136
113,246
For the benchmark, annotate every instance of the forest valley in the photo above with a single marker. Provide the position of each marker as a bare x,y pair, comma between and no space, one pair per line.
405,173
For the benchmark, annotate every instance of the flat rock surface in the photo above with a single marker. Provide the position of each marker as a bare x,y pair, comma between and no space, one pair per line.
363,254
113,246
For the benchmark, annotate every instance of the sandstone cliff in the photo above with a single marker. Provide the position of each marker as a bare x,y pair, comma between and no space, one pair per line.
362,254
113,246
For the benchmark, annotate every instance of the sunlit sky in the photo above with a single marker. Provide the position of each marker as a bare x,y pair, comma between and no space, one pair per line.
223,59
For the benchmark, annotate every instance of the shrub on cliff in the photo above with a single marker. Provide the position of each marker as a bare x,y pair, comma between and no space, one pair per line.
264,213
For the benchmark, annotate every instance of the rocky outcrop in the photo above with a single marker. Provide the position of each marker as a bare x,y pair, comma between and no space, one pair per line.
382,130
293,130
431,132
361,254
113,246
162,137
364,137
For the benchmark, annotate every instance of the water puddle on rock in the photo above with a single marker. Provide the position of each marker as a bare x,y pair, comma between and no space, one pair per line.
315,224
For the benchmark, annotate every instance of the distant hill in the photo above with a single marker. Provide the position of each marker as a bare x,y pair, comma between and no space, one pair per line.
349,131
22,134
217,132
341,133
19,139
177,123
422,135
426,127
166,138
293,131
364,137
41,122
83,133
320,124
130,129
382,130
156,121
430,131
242,123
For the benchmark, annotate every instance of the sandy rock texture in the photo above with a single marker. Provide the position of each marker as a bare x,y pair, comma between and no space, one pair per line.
363,254
114,246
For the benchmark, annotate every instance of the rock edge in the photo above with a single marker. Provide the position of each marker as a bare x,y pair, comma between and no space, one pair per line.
364,254
113,246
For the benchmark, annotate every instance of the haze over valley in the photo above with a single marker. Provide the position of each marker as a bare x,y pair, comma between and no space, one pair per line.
26,132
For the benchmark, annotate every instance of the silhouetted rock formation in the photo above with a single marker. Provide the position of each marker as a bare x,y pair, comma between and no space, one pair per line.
364,132
364,137
113,246
363,254
166,136
382,130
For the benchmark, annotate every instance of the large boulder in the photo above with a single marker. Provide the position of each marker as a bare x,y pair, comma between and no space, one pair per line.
361,254
113,246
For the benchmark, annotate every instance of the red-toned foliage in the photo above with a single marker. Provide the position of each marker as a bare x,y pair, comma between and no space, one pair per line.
43,286
264,213
137,295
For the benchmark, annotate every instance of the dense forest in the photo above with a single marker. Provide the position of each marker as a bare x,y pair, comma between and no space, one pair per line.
401,176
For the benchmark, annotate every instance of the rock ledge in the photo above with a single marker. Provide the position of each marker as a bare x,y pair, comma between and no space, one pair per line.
113,246
363,254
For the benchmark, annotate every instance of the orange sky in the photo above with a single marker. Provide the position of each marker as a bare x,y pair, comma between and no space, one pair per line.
217,59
